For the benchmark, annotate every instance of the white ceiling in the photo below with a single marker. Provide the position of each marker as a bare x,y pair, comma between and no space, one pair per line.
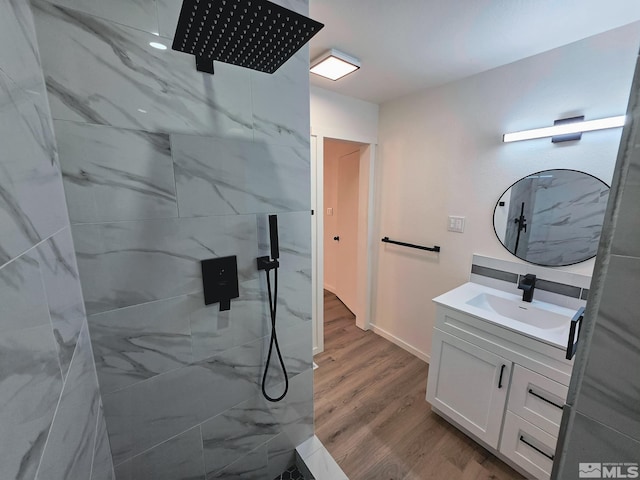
408,45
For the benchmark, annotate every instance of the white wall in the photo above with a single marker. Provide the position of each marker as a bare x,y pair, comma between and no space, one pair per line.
346,118
440,153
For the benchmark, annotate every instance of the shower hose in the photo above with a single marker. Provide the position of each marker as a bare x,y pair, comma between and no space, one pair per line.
274,340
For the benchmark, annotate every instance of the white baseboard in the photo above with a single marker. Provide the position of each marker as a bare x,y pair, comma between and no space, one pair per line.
401,343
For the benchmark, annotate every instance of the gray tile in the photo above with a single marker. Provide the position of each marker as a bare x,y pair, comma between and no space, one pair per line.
610,387
179,458
23,302
64,293
30,386
236,432
129,263
252,466
493,273
136,343
592,442
71,440
559,288
216,176
32,206
140,14
113,174
102,465
104,73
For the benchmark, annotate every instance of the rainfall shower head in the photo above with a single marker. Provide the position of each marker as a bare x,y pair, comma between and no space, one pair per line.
255,34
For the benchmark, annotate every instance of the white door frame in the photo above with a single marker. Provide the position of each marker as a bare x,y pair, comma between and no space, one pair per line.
365,252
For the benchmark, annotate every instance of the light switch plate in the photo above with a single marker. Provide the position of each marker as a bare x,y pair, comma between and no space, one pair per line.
456,224
329,211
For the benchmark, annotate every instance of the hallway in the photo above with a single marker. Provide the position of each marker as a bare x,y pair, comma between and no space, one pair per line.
371,414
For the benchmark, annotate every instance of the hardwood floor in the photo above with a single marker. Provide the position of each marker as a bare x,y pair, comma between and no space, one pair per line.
371,412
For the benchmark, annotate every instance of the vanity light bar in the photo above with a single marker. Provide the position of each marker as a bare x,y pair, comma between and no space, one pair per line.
565,129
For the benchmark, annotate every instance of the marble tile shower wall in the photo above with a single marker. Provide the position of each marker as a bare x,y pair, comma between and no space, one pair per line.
605,423
51,421
164,166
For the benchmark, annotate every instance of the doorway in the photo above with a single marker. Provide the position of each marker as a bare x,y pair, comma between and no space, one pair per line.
341,198
347,214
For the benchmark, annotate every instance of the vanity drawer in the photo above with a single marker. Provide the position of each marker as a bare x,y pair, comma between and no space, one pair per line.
537,399
528,446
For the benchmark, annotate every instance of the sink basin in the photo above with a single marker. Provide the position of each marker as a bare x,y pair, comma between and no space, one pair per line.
537,314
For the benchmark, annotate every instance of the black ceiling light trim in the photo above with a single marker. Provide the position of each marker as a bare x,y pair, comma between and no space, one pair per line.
255,34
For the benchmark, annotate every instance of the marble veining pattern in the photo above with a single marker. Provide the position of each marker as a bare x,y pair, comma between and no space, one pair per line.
167,174
41,308
179,458
216,176
102,465
236,432
606,378
132,85
273,123
135,343
64,294
30,386
252,466
70,445
115,174
128,263
140,14
23,302
29,173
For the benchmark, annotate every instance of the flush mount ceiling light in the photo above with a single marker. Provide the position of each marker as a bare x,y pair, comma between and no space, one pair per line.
334,64
566,129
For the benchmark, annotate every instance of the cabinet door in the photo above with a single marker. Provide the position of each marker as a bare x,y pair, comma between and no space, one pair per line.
469,385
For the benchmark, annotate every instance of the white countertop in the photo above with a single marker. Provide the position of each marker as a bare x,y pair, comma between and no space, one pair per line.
557,335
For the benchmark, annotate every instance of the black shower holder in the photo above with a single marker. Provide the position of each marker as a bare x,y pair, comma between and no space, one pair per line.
255,34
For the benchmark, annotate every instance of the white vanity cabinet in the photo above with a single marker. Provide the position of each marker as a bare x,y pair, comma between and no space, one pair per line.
469,385
504,389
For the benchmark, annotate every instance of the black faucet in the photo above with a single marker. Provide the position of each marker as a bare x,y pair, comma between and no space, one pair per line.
527,284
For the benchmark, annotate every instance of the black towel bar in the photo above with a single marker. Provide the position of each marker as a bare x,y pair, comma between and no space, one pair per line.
435,248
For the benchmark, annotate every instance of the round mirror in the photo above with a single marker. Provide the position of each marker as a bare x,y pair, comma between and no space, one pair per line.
552,218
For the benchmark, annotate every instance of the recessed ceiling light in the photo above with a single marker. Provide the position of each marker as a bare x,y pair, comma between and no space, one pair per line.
334,65
159,46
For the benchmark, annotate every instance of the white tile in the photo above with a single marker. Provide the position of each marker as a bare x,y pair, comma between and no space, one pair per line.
113,174
139,14
281,103
323,467
308,447
217,176
104,73
70,444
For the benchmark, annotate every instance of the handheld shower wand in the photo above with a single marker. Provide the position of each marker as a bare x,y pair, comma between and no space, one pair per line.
267,264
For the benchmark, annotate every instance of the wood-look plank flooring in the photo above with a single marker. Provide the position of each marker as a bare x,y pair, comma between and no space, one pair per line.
371,412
